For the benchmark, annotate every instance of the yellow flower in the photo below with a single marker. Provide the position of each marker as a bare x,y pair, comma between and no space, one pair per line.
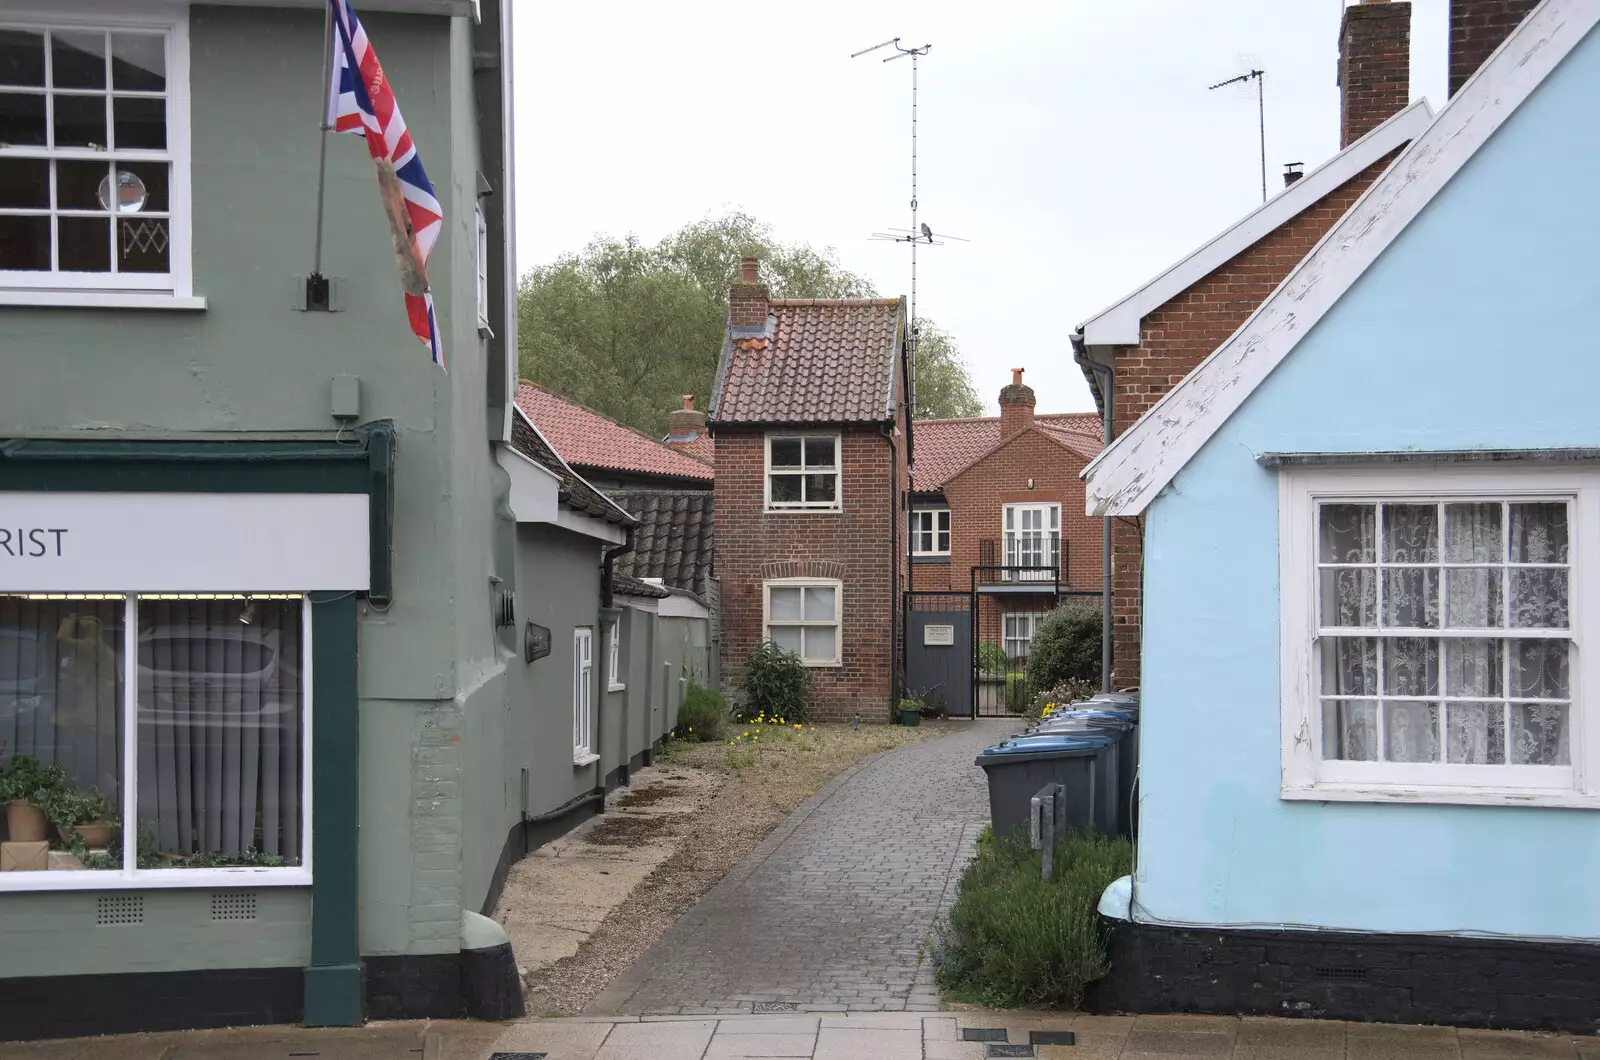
797,728
691,728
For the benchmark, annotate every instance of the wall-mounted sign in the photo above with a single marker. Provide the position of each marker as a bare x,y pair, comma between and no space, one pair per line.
939,635
183,542
537,641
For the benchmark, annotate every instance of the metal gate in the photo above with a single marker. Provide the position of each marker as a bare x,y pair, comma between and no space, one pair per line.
938,628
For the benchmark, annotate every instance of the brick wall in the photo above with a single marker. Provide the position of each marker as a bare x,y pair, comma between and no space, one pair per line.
1374,67
856,545
1173,340
1477,28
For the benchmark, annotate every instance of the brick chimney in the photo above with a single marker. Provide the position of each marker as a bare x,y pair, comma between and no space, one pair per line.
685,425
747,299
1477,28
1016,405
1374,66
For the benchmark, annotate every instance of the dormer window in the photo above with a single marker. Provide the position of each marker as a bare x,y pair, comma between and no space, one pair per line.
803,472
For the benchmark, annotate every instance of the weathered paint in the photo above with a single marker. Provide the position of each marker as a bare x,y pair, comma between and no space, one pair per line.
1474,330
1129,474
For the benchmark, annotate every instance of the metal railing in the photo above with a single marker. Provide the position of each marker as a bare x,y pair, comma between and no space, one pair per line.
1022,558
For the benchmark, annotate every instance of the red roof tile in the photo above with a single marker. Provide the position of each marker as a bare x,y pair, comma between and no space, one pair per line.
944,447
819,360
587,439
702,448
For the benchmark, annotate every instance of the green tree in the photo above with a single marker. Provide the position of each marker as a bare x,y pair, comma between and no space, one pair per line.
944,389
627,328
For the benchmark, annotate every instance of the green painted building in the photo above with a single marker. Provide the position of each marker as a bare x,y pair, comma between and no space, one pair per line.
316,617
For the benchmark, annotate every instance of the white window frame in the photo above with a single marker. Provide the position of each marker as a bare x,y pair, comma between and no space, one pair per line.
583,696
1305,776
614,682
129,877
838,615
1012,514
482,228
1033,618
170,290
837,471
935,517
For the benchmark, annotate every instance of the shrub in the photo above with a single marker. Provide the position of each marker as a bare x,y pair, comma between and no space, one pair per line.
31,780
1062,695
1066,647
776,683
703,714
992,659
1016,941
916,705
1016,693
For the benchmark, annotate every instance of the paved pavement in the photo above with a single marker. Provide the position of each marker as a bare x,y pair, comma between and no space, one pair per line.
834,910
911,1036
399,1040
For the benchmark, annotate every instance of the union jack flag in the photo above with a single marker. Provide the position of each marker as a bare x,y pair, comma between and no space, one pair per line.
360,101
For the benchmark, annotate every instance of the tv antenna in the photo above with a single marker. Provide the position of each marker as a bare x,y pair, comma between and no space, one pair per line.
1260,78
918,233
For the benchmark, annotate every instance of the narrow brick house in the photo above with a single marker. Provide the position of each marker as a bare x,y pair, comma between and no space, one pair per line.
1139,348
808,419
997,508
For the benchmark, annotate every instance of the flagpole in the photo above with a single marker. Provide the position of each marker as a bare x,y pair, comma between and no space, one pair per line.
316,287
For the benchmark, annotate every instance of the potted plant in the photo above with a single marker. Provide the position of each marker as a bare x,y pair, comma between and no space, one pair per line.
82,815
910,711
26,788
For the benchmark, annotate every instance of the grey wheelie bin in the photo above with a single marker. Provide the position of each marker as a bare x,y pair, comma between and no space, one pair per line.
1083,718
1083,763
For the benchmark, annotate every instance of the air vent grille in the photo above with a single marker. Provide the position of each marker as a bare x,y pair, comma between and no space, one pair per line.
119,909
1343,975
233,905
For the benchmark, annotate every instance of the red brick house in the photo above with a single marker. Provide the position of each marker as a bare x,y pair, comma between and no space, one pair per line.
998,507
808,419
1139,348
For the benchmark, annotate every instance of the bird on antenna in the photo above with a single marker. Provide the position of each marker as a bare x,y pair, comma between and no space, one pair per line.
927,233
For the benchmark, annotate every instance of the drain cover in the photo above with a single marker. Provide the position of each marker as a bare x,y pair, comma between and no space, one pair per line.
1052,1038
774,1006
996,1049
516,1056
983,1034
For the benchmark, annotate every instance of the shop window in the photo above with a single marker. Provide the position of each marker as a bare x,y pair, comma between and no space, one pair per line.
187,713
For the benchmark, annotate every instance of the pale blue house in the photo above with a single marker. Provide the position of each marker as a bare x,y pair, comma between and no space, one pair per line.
1370,757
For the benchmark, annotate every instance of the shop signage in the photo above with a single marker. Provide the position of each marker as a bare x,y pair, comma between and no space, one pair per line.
183,542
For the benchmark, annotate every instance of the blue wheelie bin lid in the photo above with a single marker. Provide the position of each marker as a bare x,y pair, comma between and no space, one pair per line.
1044,745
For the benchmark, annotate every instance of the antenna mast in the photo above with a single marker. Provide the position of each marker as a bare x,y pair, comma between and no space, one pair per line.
915,53
1260,78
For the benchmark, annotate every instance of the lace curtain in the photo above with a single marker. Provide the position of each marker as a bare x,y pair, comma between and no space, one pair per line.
1450,575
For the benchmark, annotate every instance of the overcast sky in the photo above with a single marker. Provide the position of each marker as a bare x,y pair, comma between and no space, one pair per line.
1074,143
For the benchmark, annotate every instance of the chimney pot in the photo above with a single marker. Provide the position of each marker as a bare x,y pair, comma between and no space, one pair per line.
747,299
1016,405
1291,170
688,402
685,424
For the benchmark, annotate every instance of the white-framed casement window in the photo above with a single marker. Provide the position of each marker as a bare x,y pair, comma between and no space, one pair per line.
483,269
1018,630
1433,625
803,616
190,713
614,680
930,532
94,159
803,472
583,695
1032,537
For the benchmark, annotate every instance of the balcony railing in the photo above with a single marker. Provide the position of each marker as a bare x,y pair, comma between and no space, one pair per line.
1020,559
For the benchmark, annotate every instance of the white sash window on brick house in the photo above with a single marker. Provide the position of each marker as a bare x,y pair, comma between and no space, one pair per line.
802,472
803,616
930,532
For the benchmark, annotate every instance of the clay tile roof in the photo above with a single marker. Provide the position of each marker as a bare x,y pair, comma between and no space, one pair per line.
819,360
944,447
702,448
585,438
675,540
575,491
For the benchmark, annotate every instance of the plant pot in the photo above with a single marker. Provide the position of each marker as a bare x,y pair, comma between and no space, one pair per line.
96,834
26,823
910,717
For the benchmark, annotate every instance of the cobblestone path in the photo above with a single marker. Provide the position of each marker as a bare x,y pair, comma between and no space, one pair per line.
834,910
